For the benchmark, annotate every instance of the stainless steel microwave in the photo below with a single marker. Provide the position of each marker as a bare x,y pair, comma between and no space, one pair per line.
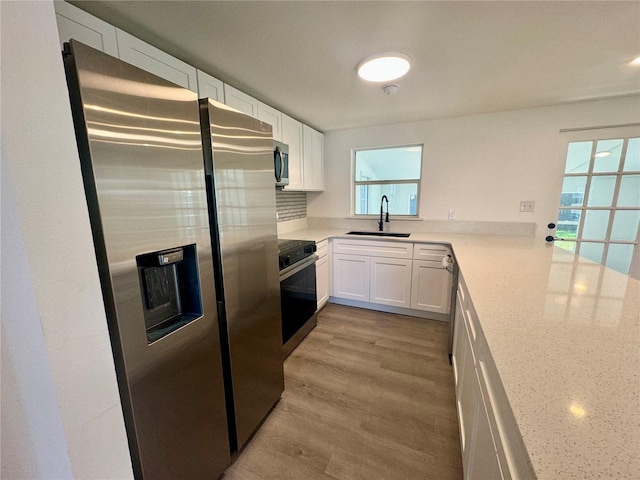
281,163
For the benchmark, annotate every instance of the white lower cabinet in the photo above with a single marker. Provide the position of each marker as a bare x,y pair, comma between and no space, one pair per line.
430,287
403,274
390,282
323,273
372,271
466,393
351,277
489,439
483,463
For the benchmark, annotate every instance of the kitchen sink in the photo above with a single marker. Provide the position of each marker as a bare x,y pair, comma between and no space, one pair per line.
381,234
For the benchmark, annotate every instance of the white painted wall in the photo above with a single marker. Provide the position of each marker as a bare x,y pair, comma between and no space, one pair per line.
481,166
61,413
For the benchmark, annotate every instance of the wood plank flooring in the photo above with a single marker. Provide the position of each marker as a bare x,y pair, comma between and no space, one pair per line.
368,396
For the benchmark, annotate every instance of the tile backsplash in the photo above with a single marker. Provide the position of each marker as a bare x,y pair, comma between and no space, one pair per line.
290,205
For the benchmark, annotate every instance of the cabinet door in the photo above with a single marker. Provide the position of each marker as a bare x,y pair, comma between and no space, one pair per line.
430,287
79,25
273,117
292,136
390,282
210,87
147,57
351,277
313,148
322,280
467,393
483,463
240,101
459,331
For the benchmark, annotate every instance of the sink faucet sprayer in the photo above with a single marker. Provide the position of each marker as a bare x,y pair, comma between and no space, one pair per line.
384,197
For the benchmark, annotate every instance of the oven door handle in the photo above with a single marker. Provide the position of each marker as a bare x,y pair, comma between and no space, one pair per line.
296,267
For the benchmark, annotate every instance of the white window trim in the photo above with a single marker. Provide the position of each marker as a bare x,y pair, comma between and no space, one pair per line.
353,183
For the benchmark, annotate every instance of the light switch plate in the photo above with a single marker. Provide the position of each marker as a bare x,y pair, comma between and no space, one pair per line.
527,205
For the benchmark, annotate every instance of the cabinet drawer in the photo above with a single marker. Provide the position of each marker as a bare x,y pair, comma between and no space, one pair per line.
430,252
373,248
322,248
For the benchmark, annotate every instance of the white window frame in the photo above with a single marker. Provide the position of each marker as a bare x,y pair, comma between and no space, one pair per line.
596,135
355,183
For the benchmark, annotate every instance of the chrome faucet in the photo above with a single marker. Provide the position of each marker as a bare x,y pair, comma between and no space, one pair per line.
380,223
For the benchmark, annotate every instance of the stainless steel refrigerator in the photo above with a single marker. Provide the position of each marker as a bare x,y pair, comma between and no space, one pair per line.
238,152
141,154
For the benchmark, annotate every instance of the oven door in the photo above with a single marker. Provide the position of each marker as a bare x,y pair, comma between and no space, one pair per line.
297,296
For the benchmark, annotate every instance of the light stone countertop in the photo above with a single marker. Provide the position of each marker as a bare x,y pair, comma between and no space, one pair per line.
564,333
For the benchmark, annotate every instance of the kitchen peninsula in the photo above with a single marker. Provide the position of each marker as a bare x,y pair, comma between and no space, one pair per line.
564,335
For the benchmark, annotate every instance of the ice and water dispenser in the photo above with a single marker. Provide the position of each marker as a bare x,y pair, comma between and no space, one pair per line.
170,288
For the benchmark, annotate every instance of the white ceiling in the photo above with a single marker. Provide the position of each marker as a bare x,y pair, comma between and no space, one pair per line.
468,57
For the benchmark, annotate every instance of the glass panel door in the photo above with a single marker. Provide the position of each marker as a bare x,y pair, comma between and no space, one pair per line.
599,213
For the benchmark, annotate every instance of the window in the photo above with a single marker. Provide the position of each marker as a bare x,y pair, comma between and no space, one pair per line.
600,202
392,171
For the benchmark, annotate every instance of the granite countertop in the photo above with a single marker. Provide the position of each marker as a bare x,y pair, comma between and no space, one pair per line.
564,333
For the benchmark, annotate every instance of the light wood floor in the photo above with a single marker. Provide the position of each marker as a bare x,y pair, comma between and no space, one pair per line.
368,396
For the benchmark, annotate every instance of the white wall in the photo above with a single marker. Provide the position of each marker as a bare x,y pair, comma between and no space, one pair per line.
481,166
61,413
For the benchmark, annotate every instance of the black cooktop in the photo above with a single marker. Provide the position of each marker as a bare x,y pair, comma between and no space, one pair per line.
292,251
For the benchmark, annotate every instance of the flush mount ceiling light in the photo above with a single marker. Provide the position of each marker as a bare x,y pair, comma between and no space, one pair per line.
384,67
636,61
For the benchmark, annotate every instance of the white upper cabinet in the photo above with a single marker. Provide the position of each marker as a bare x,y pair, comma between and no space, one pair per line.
210,87
306,145
147,57
79,25
292,136
273,117
313,158
306,155
240,101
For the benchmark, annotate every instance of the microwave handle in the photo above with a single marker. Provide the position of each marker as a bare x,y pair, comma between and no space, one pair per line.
278,153
281,165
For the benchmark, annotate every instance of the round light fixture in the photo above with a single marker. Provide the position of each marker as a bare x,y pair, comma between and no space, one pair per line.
384,67
636,61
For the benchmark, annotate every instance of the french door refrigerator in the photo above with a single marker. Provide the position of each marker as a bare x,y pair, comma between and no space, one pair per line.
238,154
140,146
